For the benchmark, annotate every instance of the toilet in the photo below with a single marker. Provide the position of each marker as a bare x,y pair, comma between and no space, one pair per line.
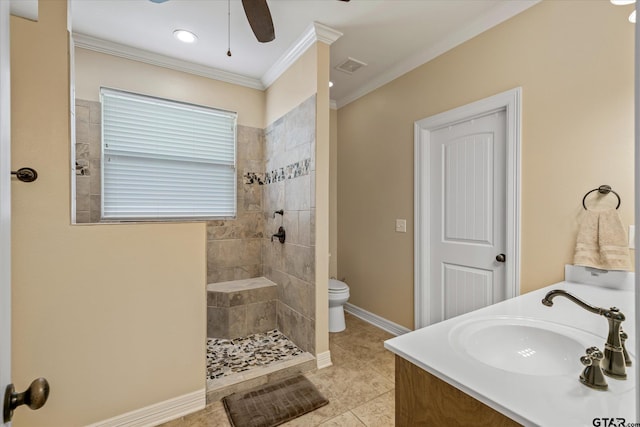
338,296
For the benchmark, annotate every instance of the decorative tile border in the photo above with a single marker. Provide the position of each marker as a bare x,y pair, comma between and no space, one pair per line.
254,178
82,167
294,170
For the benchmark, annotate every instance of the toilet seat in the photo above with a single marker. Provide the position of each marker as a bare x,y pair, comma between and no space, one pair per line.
337,286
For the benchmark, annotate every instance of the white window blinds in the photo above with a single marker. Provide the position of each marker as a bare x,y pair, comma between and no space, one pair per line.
166,160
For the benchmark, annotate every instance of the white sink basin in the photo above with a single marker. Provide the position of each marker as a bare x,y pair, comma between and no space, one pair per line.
524,346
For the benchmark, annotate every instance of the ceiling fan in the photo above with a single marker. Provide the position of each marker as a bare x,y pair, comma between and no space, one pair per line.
259,17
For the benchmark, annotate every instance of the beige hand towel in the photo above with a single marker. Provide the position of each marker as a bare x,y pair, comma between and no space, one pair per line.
602,242
587,250
612,239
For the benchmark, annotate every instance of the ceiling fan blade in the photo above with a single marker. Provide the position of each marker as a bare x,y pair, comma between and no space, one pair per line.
259,18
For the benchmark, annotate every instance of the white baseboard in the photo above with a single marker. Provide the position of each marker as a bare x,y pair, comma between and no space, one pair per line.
375,320
323,360
159,413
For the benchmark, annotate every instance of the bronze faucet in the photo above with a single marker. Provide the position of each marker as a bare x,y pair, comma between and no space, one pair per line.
614,362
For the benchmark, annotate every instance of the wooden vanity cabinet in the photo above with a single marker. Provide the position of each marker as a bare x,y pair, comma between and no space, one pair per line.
425,400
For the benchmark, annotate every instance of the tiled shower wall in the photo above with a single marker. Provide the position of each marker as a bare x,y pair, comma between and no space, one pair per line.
290,158
234,247
276,170
88,130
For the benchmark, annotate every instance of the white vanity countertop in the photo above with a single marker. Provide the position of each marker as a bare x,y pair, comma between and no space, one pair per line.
533,399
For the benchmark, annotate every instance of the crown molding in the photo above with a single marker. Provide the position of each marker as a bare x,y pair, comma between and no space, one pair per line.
504,11
333,104
315,32
103,46
326,34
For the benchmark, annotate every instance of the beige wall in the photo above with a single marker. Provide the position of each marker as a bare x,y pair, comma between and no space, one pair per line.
294,86
574,62
94,70
97,310
333,193
322,198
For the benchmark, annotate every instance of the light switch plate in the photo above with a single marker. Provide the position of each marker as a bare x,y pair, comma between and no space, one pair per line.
401,225
632,237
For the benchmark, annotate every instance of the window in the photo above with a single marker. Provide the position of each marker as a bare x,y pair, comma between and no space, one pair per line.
166,160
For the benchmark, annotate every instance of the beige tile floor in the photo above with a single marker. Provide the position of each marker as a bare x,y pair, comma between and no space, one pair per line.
359,385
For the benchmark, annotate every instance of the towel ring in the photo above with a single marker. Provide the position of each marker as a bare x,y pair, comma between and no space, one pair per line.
603,189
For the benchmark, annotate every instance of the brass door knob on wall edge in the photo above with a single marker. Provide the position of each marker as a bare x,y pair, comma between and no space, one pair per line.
34,397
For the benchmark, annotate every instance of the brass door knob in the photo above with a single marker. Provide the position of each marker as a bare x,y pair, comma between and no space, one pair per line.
34,397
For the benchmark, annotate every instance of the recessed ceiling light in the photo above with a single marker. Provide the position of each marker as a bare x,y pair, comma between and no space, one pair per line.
330,84
185,36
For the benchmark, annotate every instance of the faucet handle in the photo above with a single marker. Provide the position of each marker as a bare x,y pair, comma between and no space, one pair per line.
623,338
281,235
595,353
592,375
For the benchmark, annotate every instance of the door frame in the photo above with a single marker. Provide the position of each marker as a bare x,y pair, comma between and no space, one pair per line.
5,201
511,102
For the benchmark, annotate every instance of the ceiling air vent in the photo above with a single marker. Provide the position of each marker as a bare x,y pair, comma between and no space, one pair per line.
350,65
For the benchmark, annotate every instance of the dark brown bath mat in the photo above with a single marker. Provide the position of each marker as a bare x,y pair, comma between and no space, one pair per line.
273,404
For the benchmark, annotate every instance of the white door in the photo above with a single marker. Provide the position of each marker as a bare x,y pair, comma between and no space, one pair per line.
5,204
36,395
468,213
467,207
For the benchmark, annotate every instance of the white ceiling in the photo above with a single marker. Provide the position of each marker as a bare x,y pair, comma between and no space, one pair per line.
391,36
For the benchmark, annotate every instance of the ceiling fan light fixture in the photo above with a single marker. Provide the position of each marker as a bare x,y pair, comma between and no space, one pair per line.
185,36
632,17
330,83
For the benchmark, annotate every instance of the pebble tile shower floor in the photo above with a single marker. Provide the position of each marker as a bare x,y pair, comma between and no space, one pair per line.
227,357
